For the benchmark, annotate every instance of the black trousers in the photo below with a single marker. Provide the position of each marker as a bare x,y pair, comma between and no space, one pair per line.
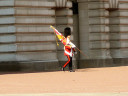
70,64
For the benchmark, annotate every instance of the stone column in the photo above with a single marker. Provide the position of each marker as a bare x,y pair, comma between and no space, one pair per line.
118,31
93,33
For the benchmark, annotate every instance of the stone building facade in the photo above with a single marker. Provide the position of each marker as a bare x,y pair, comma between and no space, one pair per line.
99,30
103,32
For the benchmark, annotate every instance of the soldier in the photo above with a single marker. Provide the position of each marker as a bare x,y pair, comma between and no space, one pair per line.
69,47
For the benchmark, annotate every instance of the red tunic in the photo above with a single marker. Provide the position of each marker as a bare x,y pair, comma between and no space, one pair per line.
68,48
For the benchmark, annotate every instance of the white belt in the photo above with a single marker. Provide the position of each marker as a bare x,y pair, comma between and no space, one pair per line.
70,54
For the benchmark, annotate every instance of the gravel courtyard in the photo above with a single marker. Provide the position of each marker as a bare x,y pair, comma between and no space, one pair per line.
90,80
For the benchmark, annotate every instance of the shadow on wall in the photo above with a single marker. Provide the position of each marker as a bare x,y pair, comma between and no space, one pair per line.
20,67
9,66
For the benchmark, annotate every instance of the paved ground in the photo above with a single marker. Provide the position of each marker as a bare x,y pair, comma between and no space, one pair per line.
98,81
70,94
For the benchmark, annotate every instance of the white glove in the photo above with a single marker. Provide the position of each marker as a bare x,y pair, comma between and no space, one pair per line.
75,52
73,46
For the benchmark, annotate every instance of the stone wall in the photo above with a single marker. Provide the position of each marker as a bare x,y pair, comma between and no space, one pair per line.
25,34
103,31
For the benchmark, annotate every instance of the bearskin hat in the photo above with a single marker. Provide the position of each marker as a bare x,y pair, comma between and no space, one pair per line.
67,31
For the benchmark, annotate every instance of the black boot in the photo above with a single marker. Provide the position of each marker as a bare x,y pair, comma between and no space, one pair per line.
70,69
